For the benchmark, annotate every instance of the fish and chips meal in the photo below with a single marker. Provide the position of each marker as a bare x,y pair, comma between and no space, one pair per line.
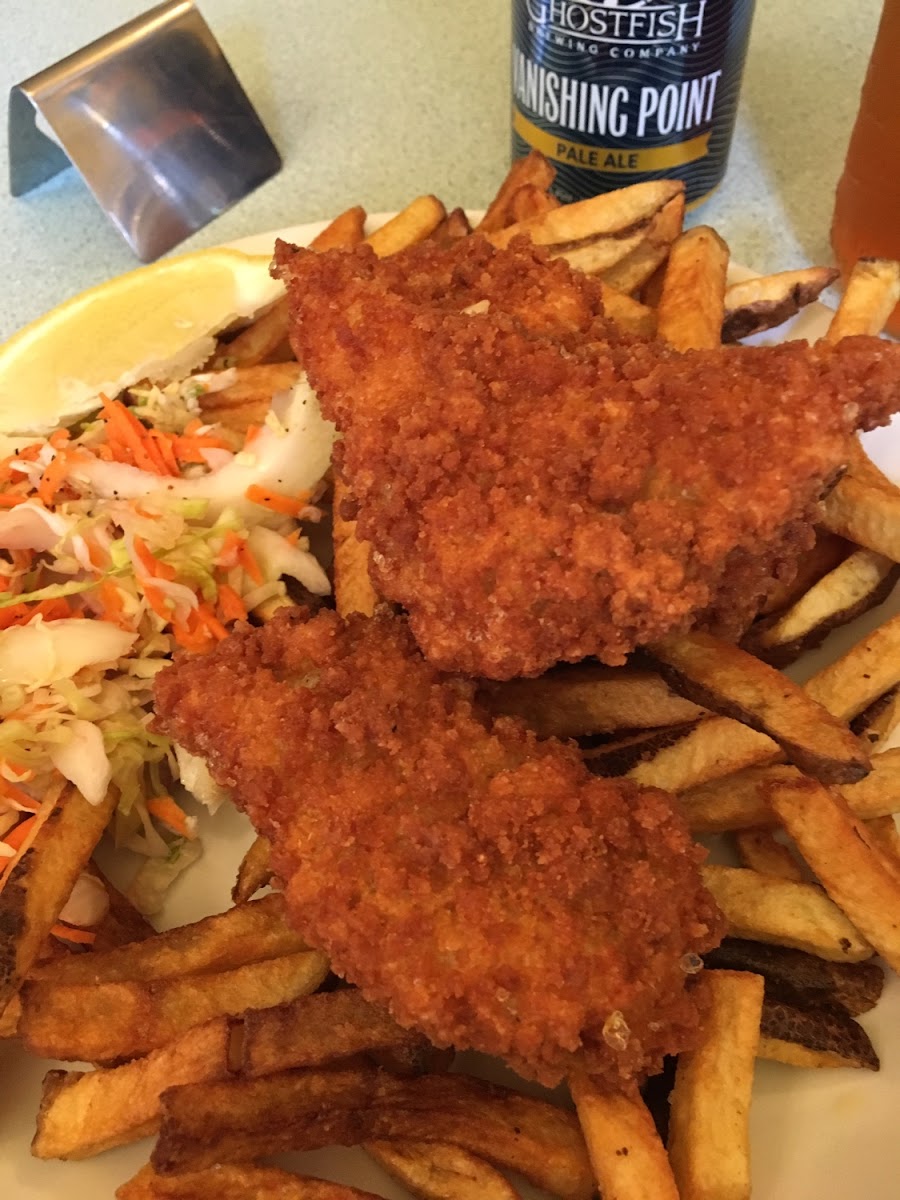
468,569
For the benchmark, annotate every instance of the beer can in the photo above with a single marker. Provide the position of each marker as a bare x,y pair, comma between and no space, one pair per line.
620,91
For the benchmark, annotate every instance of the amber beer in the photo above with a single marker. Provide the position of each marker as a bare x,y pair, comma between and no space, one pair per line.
618,91
867,206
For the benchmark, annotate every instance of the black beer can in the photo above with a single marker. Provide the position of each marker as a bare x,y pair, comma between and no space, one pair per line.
620,91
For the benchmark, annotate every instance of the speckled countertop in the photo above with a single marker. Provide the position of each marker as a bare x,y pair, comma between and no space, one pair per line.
375,101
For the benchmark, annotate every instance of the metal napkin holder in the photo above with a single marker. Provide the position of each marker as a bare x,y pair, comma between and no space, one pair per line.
154,120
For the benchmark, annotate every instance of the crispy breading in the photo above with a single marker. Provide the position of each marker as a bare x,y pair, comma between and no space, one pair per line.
480,883
538,486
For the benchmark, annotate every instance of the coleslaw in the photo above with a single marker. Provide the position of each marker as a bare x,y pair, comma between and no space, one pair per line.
141,532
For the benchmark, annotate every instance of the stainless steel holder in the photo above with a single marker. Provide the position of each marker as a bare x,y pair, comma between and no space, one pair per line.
154,120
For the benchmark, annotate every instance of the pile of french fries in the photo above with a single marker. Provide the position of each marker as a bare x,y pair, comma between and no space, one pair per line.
229,1040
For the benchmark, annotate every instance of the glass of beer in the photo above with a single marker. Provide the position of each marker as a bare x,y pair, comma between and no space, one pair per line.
867,206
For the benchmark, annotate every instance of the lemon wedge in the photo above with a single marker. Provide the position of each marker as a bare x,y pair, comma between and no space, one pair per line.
157,323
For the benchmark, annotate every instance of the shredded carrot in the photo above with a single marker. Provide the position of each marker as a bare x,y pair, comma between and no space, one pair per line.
166,446
54,475
247,561
58,438
288,506
129,440
72,933
253,431
153,566
20,614
211,622
9,791
11,499
158,600
192,426
171,815
17,835
113,604
231,605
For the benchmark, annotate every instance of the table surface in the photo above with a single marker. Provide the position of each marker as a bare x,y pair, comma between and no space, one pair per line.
376,101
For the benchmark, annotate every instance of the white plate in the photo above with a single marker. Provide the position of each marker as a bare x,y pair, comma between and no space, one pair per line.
826,1135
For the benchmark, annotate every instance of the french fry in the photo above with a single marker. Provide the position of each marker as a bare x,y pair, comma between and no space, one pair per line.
599,216
754,305
107,1022
122,923
856,987
862,581
237,1181
255,871
692,303
534,170
601,254
824,1036
258,341
719,746
709,1143
725,678
882,834
738,801
414,224
83,1113
877,722
244,934
783,912
827,552
353,588
869,298
455,225
624,755
854,874
441,1171
347,230
634,270
251,386
628,313
761,851
41,879
245,1118
315,1030
579,701
530,201
869,669
626,1153
865,514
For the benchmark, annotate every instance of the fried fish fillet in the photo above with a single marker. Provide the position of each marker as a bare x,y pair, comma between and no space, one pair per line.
479,883
537,486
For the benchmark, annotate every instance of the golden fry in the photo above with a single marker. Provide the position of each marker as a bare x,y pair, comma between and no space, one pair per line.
634,270
587,699
533,171
709,1139
414,224
854,873
254,872
83,1113
725,678
347,230
872,291
628,1158
440,1171
782,912
766,301
761,851
692,304
600,216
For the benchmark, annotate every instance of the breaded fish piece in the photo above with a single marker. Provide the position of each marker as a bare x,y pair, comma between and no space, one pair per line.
539,487
481,884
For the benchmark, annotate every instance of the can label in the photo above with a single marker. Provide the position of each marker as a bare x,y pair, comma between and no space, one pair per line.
618,91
